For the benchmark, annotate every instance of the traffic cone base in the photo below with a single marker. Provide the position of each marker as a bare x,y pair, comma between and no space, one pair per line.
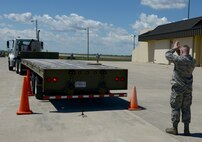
133,100
23,112
24,101
134,109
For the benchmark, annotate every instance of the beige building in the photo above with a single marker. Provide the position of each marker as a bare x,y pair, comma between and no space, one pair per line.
153,44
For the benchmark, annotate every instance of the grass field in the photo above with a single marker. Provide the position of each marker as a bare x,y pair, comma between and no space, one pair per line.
93,57
84,56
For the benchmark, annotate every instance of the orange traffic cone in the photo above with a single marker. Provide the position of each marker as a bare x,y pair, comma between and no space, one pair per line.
24,101
29,91
133,100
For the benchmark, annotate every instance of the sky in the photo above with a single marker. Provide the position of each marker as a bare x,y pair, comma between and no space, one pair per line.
112,23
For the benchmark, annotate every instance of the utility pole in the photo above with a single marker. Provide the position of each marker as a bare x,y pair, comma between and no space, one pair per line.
87,29
36,24
88,39
188,8
134,41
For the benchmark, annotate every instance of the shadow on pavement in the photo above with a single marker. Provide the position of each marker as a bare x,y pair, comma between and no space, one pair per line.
37,113
96,104
194,135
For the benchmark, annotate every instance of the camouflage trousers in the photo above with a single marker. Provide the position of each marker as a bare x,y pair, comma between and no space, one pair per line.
180,100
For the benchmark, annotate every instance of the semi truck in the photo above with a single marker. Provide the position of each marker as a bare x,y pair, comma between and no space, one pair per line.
65,79
53,78
17,47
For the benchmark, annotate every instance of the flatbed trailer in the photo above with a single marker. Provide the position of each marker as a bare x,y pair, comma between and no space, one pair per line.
64,79
21,69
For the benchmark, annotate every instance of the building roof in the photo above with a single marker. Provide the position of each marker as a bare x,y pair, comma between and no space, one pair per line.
184,28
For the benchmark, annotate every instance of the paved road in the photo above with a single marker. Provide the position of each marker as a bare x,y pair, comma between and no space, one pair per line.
104,120
153,87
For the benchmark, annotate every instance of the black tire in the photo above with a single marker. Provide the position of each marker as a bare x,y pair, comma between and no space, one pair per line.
17,67
38,88
32,82
10,68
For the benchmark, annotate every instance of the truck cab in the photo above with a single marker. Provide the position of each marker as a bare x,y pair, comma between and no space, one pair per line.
17,46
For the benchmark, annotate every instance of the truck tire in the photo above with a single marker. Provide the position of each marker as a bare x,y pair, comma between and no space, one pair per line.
32,82
17,67
10,68
38,88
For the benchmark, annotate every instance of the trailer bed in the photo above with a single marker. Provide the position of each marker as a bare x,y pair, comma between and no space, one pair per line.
71,77
64,64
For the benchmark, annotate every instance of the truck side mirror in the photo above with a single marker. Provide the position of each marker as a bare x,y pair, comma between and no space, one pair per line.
41,45
7,44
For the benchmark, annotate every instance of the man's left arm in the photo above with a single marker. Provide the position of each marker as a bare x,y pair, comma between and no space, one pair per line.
170,56
170,53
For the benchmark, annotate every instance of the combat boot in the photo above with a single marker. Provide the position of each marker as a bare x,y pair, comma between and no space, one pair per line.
186,129
173,130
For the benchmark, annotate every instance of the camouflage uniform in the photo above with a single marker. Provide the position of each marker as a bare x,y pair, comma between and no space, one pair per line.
181,95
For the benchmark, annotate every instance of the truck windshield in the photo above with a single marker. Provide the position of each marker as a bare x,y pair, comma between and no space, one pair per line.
24,45
24,42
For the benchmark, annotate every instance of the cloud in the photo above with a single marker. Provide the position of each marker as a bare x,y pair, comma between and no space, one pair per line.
67,33
146,22
8,33
165,4
69,22
24,17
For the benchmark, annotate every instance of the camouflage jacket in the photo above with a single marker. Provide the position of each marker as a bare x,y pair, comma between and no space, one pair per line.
183,68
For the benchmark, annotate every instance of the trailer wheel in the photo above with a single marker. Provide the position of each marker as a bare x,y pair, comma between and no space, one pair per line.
38,88
33,82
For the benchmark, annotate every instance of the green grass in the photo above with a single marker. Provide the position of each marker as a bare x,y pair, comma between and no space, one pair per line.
92,57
